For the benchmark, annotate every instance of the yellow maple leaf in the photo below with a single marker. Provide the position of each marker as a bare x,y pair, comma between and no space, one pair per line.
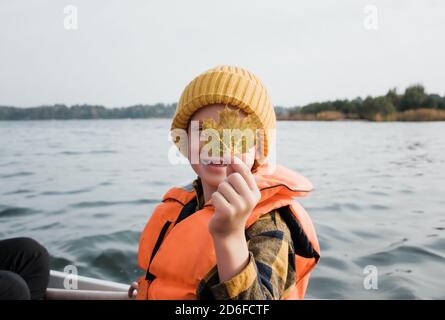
235,135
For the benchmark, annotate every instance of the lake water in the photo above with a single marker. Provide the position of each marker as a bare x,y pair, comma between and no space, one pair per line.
86,188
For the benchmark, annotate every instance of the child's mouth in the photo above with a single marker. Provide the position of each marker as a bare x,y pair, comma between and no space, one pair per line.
214,162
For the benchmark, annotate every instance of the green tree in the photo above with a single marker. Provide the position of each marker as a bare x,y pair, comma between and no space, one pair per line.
377,108
394,97
413,98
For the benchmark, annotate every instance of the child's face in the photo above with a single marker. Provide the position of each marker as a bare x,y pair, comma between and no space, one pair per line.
212,173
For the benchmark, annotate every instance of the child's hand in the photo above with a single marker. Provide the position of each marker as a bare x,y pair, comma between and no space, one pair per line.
234,200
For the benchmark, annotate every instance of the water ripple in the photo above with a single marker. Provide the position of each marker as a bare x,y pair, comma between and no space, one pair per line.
89,204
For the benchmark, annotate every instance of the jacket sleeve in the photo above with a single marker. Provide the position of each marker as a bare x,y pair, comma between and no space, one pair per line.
271,267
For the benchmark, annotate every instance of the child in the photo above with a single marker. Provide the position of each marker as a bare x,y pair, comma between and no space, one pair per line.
235,232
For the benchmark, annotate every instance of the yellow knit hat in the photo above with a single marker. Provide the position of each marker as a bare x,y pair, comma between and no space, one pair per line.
227,85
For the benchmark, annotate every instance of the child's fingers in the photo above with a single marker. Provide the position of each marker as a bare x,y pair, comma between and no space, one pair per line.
228,191
219,201
240,185
237,165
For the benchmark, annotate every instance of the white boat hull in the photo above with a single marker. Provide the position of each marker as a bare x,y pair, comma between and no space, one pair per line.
86,288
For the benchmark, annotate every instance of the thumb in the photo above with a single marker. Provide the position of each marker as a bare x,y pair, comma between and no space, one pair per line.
229,160
229,170
232,160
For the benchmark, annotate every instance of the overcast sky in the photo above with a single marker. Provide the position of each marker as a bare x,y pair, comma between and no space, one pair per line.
141,51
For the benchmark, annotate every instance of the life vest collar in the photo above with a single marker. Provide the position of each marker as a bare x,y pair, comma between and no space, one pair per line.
271,180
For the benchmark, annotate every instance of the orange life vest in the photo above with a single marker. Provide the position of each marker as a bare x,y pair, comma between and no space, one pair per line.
176,249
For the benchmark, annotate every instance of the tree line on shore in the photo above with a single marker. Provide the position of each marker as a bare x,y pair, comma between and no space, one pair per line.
413,105
85,111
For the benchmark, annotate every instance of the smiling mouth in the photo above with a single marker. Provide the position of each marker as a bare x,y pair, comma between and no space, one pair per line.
214,162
